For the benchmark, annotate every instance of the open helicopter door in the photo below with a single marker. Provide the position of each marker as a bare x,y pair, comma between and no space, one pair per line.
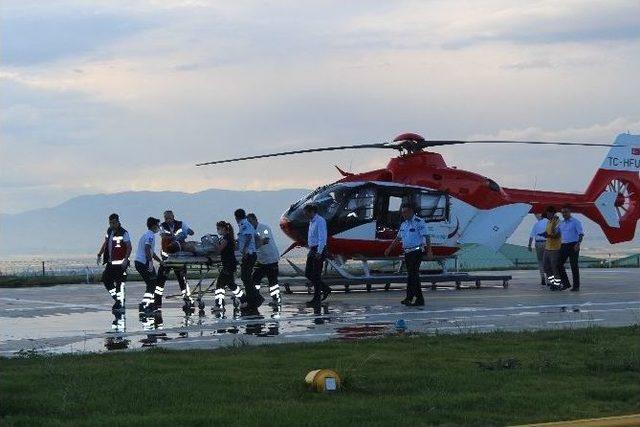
492,227
432,206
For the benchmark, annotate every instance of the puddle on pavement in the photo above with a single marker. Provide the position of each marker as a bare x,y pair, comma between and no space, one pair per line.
100,331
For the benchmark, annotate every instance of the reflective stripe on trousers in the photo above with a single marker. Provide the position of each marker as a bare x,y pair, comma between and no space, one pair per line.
218,296
274,291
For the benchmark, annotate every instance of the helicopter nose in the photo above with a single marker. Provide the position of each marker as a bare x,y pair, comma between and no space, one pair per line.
289,228
285,226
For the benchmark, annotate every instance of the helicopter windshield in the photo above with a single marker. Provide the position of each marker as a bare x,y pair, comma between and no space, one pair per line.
328,199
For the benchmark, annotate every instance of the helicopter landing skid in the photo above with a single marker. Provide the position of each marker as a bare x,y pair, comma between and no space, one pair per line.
369,279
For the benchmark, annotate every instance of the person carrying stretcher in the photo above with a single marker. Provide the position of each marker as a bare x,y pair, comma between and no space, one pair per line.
226,279
144,264
267,261
115,251
173,234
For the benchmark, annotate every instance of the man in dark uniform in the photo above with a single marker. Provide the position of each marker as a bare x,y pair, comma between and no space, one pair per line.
173,233
247,248
115,251
415,243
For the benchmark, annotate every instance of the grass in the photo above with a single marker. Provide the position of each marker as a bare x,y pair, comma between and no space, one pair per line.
479,379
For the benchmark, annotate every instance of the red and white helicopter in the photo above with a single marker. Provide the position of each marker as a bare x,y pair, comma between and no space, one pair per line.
460,207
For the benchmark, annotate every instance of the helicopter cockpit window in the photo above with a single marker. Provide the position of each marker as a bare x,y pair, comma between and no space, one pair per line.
432,206
329,201
327,198
360,205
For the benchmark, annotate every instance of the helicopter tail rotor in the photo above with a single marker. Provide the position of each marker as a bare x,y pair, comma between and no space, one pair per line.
615,190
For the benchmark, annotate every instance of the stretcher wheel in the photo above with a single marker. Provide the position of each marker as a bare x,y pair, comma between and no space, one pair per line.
505,284
458,285
368,287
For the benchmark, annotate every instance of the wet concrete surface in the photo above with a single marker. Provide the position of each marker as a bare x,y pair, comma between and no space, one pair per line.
78,318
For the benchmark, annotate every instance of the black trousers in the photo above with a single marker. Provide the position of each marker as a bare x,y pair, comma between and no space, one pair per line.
149,277
226,279
262,270
567,251
246,270
180,272
413,260
313,272
113,277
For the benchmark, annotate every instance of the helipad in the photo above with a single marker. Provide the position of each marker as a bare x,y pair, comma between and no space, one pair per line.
77,318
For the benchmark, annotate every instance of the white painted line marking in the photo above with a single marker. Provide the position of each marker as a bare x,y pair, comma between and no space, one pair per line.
575,321
59,304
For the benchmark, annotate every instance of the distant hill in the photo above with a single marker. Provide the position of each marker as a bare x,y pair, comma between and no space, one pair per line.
77,225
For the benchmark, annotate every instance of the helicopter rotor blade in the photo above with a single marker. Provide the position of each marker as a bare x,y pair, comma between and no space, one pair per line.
436,143
409,146
309,150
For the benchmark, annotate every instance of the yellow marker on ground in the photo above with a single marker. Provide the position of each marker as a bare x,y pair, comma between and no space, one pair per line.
323,380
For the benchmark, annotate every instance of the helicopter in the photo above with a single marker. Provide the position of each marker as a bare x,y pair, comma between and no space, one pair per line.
460,207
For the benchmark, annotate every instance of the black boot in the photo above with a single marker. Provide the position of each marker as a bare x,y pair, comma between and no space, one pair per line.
314,302
419,302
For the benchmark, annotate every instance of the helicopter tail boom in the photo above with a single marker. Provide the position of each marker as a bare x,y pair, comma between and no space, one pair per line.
612,199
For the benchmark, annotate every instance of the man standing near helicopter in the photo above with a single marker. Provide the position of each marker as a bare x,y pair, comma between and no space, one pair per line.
415,243
317,243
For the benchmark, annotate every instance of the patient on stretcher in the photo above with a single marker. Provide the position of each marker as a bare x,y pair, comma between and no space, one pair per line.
208,245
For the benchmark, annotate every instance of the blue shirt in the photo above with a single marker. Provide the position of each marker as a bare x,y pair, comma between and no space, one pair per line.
317,235
246,233
539,228
413,233
570,229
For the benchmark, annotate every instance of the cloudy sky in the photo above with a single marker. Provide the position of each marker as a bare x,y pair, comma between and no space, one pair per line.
114,95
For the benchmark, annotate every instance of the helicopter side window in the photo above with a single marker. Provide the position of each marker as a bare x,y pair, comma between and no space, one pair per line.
359,206
432,206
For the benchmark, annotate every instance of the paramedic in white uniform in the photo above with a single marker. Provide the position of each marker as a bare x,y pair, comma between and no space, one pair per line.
268,256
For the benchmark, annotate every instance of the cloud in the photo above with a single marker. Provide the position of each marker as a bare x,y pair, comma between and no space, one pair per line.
33,36
187,81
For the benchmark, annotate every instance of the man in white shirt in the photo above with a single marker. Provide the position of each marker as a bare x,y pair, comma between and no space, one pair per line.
317,243
536,236
572,233
145,254
267,262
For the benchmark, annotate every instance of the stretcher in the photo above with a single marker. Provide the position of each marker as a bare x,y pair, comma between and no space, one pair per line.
200,264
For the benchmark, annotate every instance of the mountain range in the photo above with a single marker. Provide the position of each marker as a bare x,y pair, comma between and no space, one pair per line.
77,226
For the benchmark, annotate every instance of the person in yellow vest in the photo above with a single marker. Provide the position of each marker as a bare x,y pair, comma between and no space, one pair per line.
551,258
